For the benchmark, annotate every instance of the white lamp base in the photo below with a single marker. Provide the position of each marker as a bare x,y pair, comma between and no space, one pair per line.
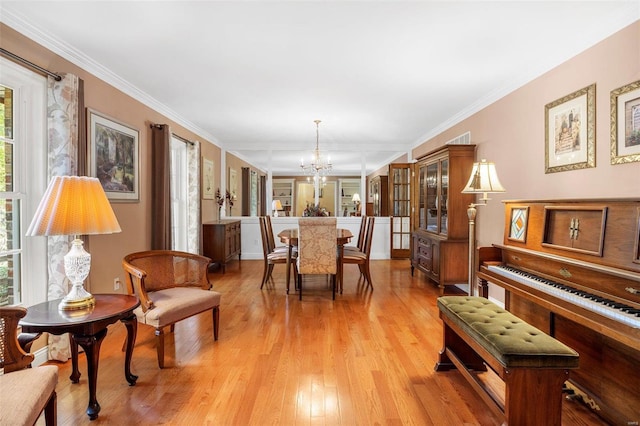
77,264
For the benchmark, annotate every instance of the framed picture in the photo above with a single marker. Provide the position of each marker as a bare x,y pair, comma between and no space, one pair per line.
114,156
518,224
570,124
233,183
625,124
207,179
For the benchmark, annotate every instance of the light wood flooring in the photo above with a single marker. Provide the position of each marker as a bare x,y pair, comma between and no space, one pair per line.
366,358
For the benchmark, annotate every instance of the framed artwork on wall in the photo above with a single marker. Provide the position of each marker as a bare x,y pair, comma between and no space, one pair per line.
625,124
233,183
570,124
207,179
114,156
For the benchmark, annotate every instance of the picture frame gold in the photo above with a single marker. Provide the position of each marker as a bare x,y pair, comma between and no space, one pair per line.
625,124
114,156
570,128
208,191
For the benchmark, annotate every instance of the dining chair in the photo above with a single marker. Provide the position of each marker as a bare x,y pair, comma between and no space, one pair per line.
271,239
272,256
361,258
317,249
361,232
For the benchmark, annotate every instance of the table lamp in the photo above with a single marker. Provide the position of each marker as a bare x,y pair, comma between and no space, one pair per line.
356,201
74,205
275,206
483,180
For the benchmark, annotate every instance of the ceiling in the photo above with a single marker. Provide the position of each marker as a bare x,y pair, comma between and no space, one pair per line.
383,76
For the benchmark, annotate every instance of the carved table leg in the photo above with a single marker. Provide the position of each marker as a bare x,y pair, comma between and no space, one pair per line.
75,372
131,323
91,345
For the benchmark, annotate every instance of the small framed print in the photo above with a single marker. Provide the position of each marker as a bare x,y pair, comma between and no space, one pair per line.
625,124
570,124
113,156
233,183
518,224
207,179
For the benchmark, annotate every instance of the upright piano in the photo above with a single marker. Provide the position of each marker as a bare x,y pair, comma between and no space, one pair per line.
572,269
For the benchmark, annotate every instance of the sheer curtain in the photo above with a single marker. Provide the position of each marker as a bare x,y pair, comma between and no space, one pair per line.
67,154
161,218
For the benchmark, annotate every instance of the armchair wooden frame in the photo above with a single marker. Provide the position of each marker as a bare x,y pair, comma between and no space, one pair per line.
171,286
26,392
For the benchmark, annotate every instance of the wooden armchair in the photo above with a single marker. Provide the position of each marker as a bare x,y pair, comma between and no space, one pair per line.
171,286
24,392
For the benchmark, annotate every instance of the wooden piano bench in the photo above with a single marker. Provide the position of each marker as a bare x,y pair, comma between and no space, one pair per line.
533,365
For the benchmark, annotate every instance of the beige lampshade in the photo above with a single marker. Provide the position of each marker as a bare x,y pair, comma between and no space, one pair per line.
276,205
356,198
483,179
74,205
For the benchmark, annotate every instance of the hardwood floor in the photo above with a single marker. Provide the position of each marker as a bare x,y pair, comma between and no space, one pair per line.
366,358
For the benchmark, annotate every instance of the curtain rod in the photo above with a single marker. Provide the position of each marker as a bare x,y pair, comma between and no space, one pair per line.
183,139
30,64
159,126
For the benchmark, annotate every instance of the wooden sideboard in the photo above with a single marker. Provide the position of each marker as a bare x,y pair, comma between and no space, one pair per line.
221,241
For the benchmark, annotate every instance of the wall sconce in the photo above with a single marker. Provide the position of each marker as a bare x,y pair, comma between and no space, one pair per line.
275,206
483,180
75,205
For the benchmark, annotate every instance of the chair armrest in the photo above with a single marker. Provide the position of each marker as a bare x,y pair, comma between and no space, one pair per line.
134,278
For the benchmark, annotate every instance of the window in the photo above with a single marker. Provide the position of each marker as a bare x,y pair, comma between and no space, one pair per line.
23,265
179,195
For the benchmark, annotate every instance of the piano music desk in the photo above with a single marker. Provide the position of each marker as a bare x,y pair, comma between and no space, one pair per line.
532,364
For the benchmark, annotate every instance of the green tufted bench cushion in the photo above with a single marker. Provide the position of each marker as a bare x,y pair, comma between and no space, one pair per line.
513,342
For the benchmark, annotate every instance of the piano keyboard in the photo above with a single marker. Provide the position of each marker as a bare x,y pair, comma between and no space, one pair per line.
605,307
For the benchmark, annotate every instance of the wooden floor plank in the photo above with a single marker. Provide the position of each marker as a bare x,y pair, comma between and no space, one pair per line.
365,358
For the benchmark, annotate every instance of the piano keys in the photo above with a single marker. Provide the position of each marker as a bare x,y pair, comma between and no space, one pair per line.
575,273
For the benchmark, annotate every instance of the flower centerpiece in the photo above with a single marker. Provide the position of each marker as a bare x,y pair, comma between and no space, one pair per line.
314,210
220,201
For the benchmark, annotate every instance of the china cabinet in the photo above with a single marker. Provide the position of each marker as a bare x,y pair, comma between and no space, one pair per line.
380,195
400,205
440,238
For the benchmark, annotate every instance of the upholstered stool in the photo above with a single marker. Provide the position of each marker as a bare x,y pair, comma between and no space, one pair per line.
478,333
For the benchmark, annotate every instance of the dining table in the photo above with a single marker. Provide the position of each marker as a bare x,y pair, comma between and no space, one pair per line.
289,237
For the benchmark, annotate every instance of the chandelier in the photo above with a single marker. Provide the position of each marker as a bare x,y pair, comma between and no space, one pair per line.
319,165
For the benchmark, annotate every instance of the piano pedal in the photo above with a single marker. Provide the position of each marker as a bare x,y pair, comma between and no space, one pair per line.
577,395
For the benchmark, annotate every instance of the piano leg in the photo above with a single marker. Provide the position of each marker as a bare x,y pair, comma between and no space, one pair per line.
483,288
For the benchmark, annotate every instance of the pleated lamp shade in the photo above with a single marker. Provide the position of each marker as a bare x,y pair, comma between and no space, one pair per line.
74,205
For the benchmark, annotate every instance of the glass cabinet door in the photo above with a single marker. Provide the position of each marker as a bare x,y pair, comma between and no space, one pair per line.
400,176
432,197
422,214
444,194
